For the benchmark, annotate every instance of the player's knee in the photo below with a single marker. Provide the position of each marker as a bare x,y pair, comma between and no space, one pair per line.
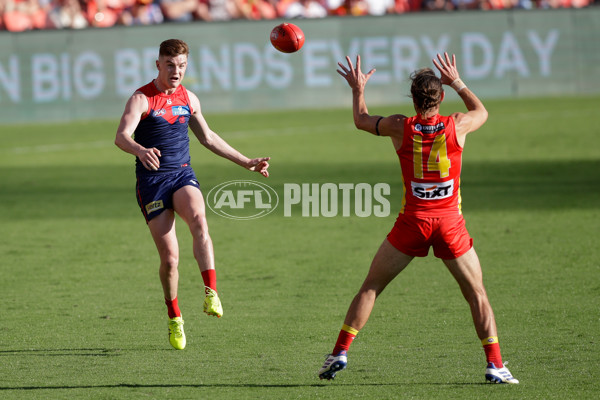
369,292
199,227
476,295
202,236
374,284
169,263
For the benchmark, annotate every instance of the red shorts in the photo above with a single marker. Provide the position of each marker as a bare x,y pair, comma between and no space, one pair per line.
415,235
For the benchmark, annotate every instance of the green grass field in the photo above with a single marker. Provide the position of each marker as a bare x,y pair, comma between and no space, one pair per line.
82,308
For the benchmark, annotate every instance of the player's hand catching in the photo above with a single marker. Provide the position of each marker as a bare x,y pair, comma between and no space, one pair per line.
149,158
447,68
354,76
259,165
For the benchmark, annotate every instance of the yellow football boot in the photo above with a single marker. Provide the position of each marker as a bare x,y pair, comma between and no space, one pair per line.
176,334
212,303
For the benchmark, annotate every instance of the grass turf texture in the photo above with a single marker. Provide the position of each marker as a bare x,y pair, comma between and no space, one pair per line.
82,308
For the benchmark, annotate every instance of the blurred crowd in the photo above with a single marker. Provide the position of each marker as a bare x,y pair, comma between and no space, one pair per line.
23,15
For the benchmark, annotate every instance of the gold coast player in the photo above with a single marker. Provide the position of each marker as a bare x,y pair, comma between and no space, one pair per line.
158,115
430,147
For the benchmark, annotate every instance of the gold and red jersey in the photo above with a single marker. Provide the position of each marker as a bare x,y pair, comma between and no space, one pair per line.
430,158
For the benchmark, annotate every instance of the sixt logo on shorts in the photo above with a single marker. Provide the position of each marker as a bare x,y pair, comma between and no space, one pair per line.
242,199
432,191
180,110
154,206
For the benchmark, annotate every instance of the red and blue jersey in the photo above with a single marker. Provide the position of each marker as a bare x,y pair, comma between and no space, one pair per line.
165,127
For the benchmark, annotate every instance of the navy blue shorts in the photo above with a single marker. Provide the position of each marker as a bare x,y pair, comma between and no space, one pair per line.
154,192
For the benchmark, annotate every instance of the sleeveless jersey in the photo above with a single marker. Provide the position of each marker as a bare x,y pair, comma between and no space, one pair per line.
165,126
430,158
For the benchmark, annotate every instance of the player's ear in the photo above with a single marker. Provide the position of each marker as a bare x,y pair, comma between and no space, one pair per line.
157,64
443,95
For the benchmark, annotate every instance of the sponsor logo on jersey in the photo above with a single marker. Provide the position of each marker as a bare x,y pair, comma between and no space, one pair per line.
432,191
180,110
158,113
154,206
430,128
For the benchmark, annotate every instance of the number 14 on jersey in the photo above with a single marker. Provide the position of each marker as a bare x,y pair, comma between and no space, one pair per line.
437,160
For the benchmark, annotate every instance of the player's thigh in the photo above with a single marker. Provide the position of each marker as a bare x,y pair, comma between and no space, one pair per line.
188,202
387,264
466,269
162,228
451,239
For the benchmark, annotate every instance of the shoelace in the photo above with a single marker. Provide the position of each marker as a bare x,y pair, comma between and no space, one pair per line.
505,372
176,328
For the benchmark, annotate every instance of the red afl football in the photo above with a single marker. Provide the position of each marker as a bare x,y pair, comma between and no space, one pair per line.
287,38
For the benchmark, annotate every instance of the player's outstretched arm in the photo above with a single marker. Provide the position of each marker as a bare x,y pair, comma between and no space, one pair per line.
357,80
375,124
134,109
476,115
219,146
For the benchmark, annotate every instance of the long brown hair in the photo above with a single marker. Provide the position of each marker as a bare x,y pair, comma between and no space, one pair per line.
426,90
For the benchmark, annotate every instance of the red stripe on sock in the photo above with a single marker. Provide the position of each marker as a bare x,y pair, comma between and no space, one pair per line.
343,342
173,308
210,278
492,354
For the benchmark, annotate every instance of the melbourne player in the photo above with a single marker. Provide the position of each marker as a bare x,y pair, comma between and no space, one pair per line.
430,147
154,128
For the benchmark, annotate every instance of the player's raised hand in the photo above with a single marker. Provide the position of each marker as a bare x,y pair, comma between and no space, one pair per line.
447,68
149,158
260,165
354,76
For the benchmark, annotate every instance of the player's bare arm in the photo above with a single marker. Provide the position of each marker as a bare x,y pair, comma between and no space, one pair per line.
217,145
136,107
476,115
375,124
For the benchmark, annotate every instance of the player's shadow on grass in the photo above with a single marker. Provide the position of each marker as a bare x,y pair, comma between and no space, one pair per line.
88,352
231,385
104,352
